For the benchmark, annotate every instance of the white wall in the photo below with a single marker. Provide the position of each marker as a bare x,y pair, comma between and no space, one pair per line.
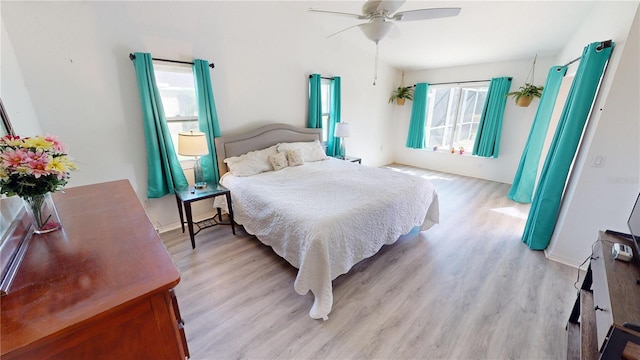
600,198
14,94
515,128
74,60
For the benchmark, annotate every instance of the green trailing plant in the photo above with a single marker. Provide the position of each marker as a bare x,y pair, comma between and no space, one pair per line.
402,92
527,91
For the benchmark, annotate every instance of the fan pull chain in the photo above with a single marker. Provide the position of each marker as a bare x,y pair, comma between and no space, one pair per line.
375,72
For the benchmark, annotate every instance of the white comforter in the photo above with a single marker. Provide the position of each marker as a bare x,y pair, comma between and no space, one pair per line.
323,217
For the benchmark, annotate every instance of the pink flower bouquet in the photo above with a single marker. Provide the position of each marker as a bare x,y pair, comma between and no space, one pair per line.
31,168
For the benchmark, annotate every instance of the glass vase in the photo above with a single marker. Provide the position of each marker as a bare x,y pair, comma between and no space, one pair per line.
43,214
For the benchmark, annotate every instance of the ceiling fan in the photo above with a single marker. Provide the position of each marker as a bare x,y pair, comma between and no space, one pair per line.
382,15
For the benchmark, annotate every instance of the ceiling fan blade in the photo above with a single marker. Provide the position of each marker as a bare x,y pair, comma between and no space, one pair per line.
343,30
386,6
425,14
361,17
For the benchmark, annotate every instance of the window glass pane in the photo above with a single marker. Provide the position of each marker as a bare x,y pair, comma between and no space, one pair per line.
325,127
178,96
453,115
440,107
436,137
325,85
325,90
177,90
472,103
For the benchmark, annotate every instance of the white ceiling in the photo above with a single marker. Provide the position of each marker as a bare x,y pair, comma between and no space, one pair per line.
485,31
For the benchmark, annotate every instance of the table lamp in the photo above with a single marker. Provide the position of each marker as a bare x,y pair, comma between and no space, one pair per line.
342,131
194,143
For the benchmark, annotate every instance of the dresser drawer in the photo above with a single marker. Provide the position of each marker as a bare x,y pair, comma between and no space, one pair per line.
180,321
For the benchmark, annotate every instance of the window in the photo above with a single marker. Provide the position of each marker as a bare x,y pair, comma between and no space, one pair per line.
325,93
454,114
178,93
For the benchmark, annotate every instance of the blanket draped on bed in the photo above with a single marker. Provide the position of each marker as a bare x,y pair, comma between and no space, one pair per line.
324,217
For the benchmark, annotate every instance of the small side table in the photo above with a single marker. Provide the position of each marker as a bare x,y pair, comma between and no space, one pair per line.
185,196
353,159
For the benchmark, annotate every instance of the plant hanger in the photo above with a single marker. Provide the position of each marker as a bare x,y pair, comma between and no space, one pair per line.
532,72
402,93
529,90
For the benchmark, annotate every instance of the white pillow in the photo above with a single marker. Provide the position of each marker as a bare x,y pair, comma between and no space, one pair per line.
251,163
311,150
295,157
278,161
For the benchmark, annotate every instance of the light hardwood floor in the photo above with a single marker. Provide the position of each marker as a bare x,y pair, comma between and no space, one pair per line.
468,288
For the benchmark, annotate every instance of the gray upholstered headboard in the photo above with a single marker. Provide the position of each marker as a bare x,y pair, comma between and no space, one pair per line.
263,137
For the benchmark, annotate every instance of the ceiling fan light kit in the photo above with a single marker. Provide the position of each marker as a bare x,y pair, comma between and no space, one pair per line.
377,30
381,15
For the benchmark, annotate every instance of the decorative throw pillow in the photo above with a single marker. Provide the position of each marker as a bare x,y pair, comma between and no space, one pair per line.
251,163
311,150
278,161
295,157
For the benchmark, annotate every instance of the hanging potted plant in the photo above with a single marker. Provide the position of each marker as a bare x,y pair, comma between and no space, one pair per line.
526,93
401,94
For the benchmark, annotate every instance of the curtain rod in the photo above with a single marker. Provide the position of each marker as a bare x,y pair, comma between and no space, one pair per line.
572,61
603,45
458,82
132,57
323,77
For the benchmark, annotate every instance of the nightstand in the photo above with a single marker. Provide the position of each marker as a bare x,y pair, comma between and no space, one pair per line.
184,198
352,159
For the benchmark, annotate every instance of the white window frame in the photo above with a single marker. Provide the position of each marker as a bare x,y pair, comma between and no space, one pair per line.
453,123
325,91
188,122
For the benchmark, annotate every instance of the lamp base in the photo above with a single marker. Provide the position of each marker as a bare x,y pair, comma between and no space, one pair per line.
198,176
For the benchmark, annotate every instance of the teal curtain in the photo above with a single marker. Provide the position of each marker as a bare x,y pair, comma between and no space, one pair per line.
315,103
207,118
525,178
416,138
333,143
164,169
487,143
546,202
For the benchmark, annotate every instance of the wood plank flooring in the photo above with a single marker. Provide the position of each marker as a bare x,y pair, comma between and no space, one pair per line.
468,288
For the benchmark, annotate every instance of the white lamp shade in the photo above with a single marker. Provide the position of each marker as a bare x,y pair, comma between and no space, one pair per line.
342,130
192,143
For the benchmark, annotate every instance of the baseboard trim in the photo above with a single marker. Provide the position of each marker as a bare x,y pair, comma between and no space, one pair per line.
565,261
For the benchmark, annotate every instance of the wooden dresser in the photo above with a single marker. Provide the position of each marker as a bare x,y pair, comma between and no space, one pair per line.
608,298
100,288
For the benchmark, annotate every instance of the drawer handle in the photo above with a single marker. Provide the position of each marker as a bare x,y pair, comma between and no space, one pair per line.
598,308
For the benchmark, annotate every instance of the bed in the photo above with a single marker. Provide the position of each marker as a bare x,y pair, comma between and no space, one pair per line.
326,214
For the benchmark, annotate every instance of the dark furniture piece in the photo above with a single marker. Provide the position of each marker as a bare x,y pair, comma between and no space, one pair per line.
608,298
185,196
99,288
353,159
